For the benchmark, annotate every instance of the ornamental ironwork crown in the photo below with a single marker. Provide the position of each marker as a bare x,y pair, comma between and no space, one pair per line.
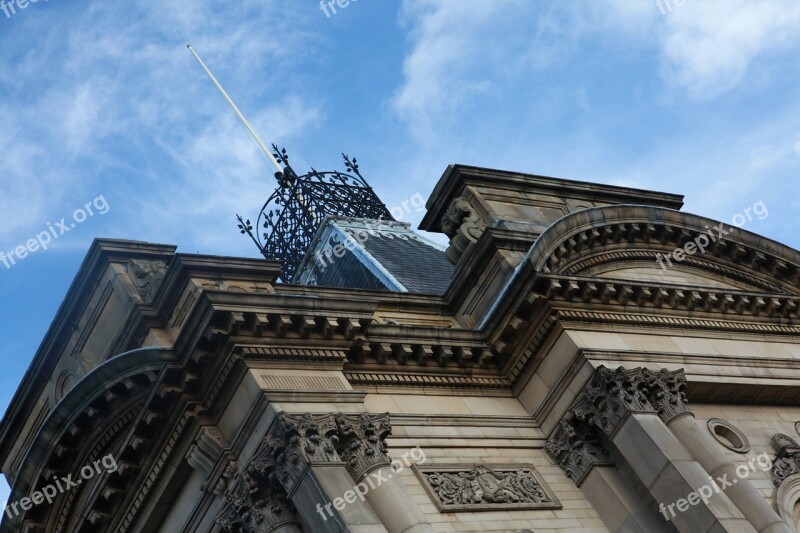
292,214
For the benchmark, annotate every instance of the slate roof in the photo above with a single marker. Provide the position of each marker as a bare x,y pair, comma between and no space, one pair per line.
380,255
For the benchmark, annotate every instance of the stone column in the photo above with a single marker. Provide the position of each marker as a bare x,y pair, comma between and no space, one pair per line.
363,448
668,396
617,403
300,452
575,447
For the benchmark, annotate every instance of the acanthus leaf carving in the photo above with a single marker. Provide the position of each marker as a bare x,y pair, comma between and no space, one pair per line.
297,441
611,396
256,503
576,448
363,442
668,393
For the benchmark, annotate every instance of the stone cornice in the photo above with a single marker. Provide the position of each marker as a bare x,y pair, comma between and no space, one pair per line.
598,231
144,379
703,301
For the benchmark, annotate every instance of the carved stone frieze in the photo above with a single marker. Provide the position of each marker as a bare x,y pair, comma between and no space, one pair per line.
484,487
576,448
362,440
147,276
787,462
463,225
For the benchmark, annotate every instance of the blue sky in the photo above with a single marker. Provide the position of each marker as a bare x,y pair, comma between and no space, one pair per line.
103,98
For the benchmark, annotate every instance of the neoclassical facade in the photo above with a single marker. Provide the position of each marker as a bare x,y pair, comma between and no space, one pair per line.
544,372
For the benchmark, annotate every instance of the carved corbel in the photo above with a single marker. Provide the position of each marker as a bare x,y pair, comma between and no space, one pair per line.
207,447
463,225
147,277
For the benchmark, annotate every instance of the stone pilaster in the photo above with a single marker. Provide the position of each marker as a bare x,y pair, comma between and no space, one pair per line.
301,452
630,407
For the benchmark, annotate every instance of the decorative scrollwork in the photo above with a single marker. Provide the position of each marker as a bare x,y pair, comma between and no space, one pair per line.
295,442
291,216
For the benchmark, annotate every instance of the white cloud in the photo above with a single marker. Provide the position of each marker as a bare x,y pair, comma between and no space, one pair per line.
119,94
709,45
459,51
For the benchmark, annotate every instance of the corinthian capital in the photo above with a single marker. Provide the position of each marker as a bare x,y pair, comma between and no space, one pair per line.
668,393
363,442
255,503
611,396
575,447
295,442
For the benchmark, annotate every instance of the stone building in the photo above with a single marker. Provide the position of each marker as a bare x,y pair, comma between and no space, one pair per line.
542,373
